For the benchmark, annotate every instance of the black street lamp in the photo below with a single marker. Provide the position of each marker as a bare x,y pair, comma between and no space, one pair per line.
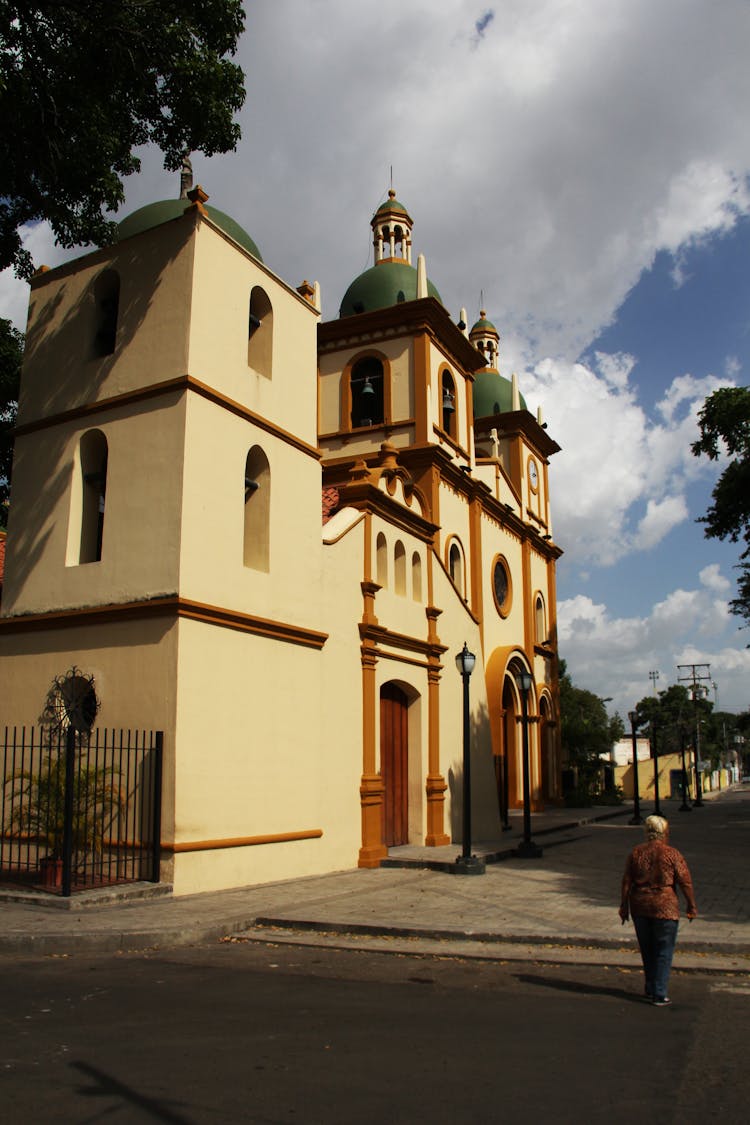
636,817
527,849
684,807
466,863
655,756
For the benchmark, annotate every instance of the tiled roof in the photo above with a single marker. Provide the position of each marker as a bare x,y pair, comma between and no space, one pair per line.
330,503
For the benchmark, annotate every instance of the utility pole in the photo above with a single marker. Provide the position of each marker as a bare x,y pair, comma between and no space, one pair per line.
653,676
697,677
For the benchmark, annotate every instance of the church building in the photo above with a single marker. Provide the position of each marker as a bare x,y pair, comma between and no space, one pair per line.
269,537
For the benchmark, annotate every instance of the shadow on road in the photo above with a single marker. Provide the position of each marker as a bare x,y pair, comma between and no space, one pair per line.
105,1085
583,988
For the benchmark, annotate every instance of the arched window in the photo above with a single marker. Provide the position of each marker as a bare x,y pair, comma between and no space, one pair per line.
367,393
93,453
399,569
381,560
260,332
448,404
257,532
456,566
107,301
416,577
540,623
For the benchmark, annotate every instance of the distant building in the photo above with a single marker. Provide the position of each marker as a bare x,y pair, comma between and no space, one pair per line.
270,537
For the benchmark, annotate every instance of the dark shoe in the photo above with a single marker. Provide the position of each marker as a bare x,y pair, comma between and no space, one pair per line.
661,1001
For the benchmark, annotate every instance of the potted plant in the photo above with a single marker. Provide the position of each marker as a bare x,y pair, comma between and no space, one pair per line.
38,792
39,809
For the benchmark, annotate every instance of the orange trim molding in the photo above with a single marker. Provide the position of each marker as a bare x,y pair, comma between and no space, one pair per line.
158,390
242,841
165,607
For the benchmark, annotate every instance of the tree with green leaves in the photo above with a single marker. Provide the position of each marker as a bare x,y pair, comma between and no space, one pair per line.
724,423
11,355
669,718
586,732
85,82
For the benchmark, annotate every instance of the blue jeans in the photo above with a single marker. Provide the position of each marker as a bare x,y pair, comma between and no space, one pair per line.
656,938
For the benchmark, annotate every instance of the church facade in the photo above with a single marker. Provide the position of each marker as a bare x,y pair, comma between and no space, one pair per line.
269,537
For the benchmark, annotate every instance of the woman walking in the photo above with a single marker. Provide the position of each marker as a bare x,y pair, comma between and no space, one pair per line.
653,872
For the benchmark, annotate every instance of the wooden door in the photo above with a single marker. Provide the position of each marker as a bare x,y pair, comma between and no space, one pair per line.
394,765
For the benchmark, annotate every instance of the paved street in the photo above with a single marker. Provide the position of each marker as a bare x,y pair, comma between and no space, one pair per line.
265,1034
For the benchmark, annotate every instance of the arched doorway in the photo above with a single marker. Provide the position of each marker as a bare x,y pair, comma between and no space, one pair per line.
394,764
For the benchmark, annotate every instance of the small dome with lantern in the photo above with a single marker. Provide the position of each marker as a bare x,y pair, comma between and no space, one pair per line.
493,393
393,278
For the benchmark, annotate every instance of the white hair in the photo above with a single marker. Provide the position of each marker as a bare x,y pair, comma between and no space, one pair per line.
656,827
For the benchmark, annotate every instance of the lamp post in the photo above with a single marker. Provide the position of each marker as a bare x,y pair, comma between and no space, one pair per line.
684,807
466,863
527,849
636,817
655,757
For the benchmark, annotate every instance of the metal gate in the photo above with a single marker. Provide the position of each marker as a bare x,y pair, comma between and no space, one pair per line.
80,810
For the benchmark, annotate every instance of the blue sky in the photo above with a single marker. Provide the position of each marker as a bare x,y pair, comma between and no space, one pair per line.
691,316
585,165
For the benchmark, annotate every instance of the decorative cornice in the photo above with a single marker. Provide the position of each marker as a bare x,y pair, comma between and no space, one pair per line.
380,635
169,606
406,318
519,422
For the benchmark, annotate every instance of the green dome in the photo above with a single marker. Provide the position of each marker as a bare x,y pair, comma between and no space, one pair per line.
484,325
493,394
154,214
392,205
383,285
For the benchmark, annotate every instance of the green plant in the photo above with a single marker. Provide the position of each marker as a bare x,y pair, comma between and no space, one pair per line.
39,805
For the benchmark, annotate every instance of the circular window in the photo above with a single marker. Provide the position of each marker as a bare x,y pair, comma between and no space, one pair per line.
501,586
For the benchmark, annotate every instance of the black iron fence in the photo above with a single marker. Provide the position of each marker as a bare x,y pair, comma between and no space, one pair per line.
80,810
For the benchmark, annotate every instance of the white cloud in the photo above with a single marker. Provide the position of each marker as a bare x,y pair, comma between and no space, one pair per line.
661,516
620,482
612,656
714,580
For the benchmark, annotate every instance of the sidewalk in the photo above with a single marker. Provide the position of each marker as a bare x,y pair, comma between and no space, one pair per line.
560,907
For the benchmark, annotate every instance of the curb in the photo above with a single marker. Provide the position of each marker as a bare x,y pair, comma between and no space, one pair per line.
579,952
365,929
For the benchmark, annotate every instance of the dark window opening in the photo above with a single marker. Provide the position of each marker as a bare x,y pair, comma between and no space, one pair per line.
107,297
94,474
